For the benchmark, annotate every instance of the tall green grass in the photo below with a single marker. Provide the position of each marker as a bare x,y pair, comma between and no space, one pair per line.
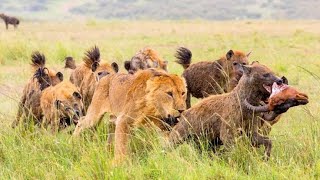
34,153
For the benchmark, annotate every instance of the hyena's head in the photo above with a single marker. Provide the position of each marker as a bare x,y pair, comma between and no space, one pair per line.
68,103
235,60
261,77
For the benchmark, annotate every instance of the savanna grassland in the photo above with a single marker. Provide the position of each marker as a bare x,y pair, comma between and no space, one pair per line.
290,48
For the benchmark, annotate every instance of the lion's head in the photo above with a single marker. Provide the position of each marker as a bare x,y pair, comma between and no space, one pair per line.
166,93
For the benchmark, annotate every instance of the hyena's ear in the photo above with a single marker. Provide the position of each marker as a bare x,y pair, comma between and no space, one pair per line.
76,95
165,65
115,67
58,104
70,63
60,76
249,54
229,54
285,80
127,65
94,66
246,69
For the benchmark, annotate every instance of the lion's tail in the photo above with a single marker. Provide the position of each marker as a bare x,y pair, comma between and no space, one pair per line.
70,63
183,56
38,60
92,56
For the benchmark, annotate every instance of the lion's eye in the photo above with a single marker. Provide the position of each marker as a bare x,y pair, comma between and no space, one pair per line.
75,105
266,75
235,63
183,93
170,94
244,63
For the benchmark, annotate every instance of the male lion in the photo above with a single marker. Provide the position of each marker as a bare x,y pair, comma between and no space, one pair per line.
147,96
86,75
29,104
61,104
144,59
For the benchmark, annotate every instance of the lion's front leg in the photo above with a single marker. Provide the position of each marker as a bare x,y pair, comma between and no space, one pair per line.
122,131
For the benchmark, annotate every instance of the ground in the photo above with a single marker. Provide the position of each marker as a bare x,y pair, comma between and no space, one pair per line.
290,48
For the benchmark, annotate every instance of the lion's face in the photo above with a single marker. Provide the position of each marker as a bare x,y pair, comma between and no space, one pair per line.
167,95
70,107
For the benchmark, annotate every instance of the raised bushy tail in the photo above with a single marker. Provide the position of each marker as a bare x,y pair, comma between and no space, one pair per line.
183,56
38,60
70,63
92,56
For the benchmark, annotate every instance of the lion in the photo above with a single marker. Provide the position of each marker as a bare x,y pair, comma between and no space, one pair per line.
29,104
149,96
144,59
61,105
86,75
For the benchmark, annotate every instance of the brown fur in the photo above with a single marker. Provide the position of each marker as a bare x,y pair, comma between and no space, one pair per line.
144,59
10,20
211,77
149,96
29,105
225,116
61,105
86,75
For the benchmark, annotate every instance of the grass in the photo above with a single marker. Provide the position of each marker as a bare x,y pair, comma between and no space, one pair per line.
290,48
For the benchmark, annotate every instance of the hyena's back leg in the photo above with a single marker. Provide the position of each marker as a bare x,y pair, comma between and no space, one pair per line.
20,111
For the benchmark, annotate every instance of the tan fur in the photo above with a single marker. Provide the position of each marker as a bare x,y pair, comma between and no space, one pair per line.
86,75
62,92
225,116
29,105
138,99
144,59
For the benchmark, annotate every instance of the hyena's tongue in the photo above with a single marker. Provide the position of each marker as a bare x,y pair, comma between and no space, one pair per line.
277,88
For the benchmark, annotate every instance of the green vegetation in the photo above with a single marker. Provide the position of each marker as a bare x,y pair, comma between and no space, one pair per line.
282,45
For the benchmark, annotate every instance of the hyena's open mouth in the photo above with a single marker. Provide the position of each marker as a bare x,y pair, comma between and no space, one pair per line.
277,88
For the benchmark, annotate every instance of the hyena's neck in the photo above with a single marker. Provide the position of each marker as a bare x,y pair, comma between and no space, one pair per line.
247,90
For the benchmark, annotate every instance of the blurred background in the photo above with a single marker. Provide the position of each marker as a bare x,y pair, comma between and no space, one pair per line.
161,9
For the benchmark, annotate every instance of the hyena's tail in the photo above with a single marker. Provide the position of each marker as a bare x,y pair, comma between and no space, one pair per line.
38,60
92,56
70,63
183,56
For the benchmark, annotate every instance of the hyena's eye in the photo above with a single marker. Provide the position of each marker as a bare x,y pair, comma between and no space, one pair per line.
170,93
266,75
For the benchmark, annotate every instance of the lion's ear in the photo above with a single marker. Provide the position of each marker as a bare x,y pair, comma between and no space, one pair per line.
229,54
115,67
57,104
127,65
94,66
76,95
60,76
